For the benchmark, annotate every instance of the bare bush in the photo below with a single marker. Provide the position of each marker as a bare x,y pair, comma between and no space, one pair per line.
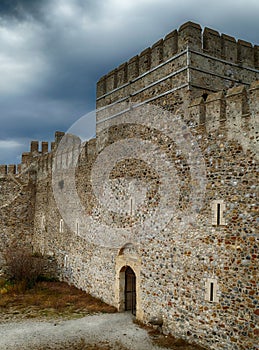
24,266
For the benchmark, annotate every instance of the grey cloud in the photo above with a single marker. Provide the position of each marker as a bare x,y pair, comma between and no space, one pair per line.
22,9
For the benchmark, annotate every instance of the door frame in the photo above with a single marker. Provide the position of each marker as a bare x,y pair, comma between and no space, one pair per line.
122,261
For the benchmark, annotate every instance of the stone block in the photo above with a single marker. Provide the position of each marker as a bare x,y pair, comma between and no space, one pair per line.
189,35
212,42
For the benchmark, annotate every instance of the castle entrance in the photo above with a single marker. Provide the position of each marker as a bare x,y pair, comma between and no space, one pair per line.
127,283
130,290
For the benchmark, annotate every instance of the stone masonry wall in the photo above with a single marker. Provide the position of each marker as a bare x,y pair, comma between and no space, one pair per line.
17,200
175,266
16,209
179,201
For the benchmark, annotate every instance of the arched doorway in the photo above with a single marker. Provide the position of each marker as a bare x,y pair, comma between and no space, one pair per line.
130,290
127,283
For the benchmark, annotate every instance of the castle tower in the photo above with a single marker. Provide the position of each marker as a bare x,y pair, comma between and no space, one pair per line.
186,64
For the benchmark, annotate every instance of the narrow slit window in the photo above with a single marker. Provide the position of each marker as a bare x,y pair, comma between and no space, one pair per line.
77,227
61,226
218,207
218,214
211,291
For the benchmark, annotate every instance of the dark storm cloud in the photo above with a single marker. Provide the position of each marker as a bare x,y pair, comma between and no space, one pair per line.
53,52
21,9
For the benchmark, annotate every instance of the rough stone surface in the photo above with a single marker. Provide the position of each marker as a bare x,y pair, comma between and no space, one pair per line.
197,268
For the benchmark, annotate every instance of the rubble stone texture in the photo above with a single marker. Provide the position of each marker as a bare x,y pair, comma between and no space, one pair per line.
197,266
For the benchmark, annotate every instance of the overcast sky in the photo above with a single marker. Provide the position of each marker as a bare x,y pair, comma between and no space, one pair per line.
52,52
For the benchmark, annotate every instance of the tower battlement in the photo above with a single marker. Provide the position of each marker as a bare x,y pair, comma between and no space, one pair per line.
189,38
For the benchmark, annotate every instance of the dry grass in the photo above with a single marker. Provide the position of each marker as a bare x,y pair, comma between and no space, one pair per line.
48,299
59,300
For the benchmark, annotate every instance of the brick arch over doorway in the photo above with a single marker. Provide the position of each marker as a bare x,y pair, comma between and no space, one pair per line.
127,260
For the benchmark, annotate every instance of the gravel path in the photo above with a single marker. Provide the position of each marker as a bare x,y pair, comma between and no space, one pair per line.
93,329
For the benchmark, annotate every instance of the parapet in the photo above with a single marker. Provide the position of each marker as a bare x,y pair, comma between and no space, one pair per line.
41,159
236,108
190,36
5,169
38,150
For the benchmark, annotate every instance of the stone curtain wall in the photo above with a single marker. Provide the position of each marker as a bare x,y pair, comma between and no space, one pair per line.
16,211
17,198
174,277
174,267
202,281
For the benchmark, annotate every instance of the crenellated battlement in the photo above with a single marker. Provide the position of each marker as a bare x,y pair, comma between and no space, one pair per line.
233,112
71,153
235,108
41,159
10,169
189,38
36,153
238,105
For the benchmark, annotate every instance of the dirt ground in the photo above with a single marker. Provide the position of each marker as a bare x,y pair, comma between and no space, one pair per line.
104,332
56,316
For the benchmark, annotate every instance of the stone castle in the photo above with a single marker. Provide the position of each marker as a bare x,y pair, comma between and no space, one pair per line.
157,214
